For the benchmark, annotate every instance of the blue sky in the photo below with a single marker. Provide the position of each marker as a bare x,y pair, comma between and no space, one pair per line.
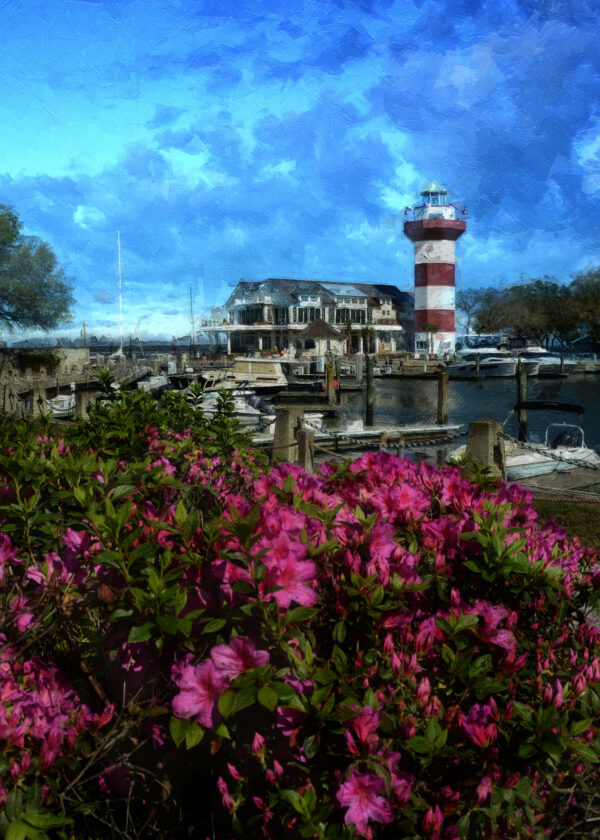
230,139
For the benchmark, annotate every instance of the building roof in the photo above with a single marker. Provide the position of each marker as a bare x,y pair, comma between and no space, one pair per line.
346,289
319,329
434,186
378,290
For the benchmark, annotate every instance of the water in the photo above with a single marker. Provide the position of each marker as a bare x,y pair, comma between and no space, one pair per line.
407,400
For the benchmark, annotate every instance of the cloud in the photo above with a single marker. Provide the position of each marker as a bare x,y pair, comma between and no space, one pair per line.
87,217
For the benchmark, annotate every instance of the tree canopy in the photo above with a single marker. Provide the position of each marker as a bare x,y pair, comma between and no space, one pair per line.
34,291
539,308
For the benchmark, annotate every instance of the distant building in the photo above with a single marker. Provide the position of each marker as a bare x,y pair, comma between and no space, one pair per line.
276,312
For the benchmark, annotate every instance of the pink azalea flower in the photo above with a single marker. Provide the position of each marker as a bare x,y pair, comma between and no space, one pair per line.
484,789
361,794
200,687
239,656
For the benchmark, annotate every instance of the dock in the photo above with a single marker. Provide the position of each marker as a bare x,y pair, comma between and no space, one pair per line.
383,436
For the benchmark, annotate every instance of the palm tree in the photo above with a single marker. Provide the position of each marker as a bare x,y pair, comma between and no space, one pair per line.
431,330
366,333
348,336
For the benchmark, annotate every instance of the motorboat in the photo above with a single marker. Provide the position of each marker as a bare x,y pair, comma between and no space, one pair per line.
563,448
248,407
263,375
472,364
154,384
549,364
62,405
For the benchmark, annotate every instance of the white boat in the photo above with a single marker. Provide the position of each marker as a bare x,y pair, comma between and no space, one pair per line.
248,408
470,363
262,375
153,384
61,406
564,447
549,364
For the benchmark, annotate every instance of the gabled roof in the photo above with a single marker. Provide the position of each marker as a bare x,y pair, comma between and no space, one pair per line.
378,290
319,329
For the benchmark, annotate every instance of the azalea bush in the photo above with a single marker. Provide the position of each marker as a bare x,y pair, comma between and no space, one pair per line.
218,647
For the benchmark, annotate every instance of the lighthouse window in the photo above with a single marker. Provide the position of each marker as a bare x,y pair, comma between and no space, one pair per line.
435,199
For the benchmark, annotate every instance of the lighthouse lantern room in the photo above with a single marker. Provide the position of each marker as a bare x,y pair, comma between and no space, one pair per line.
433,230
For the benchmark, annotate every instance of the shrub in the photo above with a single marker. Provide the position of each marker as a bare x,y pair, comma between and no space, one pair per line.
383,649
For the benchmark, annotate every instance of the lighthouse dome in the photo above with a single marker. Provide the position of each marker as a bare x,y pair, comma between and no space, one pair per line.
434,187
434,204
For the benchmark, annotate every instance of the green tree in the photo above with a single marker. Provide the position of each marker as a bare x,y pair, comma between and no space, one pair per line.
469,301
34,291
585,290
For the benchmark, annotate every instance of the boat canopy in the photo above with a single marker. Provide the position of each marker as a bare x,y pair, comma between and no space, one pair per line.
548,406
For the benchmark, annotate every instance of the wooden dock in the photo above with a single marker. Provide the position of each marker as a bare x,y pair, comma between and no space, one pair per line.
368,436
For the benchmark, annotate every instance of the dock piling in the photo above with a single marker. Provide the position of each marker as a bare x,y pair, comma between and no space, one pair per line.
370,390
485,443
285,445
442,406
329,383
521,398
306,449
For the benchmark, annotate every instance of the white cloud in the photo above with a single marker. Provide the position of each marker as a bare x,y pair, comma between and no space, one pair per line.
88,217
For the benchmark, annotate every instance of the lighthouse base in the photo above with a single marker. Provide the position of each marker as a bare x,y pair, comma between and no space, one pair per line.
438,344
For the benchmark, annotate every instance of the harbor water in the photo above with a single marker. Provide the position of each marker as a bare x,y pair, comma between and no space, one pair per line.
410,400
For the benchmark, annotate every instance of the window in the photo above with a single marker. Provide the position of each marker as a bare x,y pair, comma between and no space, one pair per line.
421,345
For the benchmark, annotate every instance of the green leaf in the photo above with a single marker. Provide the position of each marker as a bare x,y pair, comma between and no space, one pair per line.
226,702
141,633
194,734
420,744
552,744
466,621
294,798
17,830
178,729
244,698
585,751
267,697
340,660
214,625
339,631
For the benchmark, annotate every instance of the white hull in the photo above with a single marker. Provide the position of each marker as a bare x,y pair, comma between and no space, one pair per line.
525,464
487,367
61,406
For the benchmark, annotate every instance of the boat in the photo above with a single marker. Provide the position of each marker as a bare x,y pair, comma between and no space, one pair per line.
549,364
564,446
263,375
473,363
61,406
248,407
154,384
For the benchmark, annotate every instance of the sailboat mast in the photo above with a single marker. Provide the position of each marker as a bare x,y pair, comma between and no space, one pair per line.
192,322
120,295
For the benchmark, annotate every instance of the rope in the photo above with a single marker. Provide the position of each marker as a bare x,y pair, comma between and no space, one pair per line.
542,450
401,441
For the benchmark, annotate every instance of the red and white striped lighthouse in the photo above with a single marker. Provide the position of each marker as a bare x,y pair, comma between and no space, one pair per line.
434,229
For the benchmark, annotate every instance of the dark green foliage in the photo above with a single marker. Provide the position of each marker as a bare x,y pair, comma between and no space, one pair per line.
34,291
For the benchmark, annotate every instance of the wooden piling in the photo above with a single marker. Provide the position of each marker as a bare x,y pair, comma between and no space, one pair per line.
477,364
306,450
358,366
370,390
285,444
485,443
329,383
521,398
442,406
